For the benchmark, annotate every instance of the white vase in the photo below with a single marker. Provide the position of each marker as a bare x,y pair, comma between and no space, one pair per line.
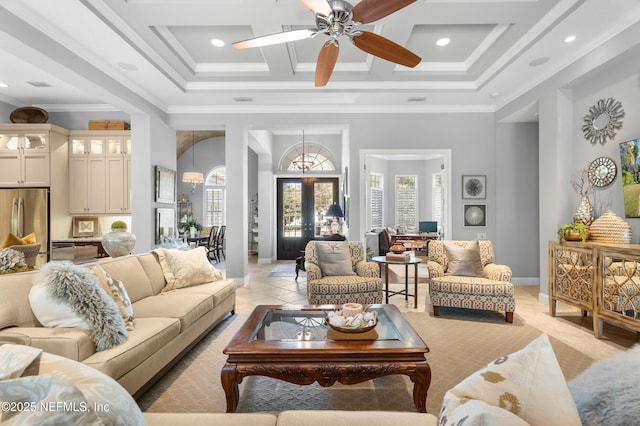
192,232
118,242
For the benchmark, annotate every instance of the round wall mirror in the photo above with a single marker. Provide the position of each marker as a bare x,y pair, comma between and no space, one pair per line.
603,120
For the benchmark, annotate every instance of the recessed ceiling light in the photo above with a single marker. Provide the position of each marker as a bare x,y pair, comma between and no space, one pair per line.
127,66
570,39
443,41
494,94
3,84
217,42
539,61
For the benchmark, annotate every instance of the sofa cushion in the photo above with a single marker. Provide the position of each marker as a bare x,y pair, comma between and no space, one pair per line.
188,308
334,258
183,268
464,261
529,383
152,268
73,343
217,290
15,309
118,293
75,286
471,285
129,270
341,417
150,336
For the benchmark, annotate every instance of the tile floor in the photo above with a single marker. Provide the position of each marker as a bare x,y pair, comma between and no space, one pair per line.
265,289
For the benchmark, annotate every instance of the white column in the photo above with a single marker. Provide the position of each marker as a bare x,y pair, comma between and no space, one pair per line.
237,206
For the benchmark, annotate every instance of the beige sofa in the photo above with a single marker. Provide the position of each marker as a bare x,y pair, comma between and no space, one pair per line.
167,325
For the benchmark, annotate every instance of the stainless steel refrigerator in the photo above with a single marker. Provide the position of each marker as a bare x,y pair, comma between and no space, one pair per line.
23,211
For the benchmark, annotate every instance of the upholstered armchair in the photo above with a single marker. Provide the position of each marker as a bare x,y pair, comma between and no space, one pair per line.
337,273
463,274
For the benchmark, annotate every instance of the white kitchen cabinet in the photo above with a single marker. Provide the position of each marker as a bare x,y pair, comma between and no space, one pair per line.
99,172
24,153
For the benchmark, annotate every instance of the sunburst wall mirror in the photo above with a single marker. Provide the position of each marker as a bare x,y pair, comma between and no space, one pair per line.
602,120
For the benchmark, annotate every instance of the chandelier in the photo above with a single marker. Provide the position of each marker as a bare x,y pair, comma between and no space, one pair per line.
304,162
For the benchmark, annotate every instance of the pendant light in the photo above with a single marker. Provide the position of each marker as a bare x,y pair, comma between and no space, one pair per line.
193,177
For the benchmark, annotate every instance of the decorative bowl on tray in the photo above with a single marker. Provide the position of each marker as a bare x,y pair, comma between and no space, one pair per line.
360,323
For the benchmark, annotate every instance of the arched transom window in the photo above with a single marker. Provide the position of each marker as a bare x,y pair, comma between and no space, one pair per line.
307,156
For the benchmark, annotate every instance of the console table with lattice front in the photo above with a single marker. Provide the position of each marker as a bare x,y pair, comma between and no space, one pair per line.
603,279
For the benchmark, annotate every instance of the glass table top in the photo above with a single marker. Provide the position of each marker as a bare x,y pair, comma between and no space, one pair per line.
286,325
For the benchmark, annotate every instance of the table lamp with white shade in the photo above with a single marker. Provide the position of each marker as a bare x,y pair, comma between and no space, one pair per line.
335,211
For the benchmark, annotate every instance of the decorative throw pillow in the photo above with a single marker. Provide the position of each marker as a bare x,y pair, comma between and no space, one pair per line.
74,288
463,261
334,258
14,240
528,383
184,268
607,392
42,378
116,290
479,413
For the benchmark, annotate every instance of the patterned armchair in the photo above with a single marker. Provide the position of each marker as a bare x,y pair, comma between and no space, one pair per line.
364,287
492,291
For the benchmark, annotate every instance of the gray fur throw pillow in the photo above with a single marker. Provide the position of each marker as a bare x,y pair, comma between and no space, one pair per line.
78,288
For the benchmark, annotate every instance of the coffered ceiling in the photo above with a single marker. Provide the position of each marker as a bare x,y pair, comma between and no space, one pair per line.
89,53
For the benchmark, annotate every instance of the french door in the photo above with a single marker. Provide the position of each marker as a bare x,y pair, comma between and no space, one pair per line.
302,203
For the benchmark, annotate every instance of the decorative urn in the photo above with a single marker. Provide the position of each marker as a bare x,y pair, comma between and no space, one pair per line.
118,242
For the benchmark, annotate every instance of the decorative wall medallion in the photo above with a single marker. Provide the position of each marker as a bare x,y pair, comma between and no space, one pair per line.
602,171
474,186
602,120
475,215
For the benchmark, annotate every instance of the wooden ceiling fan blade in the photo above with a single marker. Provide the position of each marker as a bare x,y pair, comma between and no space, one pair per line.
283,37
384,48
326,62
318,6
371,10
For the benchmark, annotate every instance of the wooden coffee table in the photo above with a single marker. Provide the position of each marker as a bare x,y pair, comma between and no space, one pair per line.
292,343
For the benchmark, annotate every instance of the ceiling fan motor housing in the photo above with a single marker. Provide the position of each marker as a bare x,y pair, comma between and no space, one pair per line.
339,20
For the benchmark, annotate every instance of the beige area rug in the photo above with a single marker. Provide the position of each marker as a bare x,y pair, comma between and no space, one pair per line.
460,342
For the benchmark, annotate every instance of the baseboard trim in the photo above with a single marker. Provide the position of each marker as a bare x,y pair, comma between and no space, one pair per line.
525,280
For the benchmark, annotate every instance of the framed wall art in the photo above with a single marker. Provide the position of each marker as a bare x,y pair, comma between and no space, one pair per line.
85,226
474,186
475,216
165,224
165,185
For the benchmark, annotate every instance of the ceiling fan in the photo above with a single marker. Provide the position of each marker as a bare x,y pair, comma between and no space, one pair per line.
336,18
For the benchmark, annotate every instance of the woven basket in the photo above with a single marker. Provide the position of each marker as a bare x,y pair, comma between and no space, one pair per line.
610,228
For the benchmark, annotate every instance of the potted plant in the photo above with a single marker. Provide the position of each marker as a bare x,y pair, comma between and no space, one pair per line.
576,231
191,226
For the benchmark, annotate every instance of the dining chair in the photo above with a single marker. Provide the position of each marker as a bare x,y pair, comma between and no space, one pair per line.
219,244
211,243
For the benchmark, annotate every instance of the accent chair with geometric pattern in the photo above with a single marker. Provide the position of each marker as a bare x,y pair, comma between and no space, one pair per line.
462,274
337,273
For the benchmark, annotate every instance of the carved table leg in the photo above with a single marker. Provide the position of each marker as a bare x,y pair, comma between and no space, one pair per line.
230,385
421,382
